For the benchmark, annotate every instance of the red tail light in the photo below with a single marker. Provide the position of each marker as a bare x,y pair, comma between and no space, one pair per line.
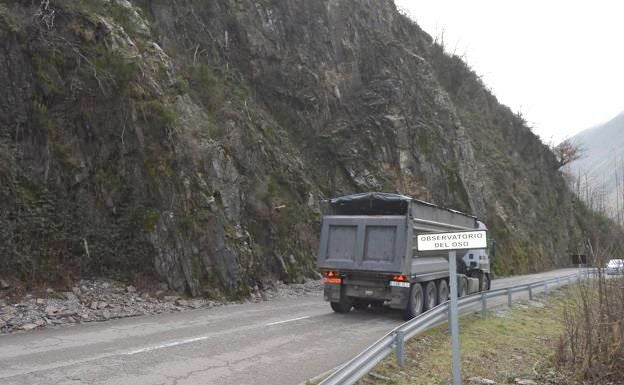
400,278
332,277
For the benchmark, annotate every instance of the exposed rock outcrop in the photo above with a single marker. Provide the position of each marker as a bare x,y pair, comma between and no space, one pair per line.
193,139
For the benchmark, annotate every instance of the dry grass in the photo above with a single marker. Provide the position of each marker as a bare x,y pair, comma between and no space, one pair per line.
592,348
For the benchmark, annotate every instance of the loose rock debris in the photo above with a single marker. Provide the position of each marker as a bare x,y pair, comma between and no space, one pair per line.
98,300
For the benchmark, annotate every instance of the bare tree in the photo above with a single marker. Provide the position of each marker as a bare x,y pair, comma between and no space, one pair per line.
567,152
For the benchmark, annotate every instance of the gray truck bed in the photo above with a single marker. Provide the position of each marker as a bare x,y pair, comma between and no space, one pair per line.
373,232
363,243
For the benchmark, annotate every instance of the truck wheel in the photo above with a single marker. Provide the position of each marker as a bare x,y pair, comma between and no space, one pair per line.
415,302
431,295
486,282
443,291
462,289
344,306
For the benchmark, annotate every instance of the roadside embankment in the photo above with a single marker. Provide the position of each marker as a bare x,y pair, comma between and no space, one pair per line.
511,346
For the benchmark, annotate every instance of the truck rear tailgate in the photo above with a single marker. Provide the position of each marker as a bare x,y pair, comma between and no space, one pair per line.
363,243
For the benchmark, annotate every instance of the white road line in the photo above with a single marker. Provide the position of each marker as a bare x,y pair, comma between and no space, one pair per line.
167,345
288,320
191,340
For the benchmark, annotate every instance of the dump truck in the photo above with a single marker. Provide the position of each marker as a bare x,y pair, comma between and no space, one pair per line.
368,254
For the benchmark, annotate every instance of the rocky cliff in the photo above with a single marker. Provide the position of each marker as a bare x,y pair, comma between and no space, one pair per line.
192,140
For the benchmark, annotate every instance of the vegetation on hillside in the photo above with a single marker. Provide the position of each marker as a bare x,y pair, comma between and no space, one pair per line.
192,140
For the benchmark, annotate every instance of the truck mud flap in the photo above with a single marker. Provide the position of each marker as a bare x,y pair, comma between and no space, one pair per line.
473,285
399,297
331,292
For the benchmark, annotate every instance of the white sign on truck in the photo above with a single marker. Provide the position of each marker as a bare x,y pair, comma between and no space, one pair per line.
453,241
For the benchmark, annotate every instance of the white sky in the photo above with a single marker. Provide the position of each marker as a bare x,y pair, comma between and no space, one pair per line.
559,63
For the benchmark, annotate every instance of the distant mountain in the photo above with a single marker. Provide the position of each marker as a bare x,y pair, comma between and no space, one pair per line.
603,148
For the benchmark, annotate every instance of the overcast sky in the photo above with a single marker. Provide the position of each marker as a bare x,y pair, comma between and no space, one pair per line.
559,63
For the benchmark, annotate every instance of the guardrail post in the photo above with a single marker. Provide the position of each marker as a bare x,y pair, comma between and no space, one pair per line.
400,348
530,293
509,297
569,281
545,288
484,305
558,282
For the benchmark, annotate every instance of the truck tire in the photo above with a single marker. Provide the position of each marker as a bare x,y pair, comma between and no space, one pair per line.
487,282
344,306
415,302
443,291
462,290
483,281
431,295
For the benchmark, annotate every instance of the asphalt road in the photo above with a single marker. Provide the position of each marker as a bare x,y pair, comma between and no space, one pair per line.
285,341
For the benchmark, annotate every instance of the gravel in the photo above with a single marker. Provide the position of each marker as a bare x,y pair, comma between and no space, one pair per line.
102,300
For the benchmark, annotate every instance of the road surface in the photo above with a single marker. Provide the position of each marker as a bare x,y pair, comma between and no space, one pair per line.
284,341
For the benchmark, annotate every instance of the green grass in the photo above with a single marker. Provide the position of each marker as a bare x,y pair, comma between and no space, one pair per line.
510,343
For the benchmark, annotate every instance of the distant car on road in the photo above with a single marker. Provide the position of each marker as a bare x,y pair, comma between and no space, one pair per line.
615,266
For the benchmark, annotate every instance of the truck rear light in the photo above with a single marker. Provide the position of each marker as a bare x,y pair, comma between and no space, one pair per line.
332,277
399,281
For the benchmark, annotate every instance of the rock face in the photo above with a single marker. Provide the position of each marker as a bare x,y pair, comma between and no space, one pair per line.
192,140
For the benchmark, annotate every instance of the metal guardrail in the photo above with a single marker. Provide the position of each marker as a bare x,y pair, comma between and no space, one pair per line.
361,364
